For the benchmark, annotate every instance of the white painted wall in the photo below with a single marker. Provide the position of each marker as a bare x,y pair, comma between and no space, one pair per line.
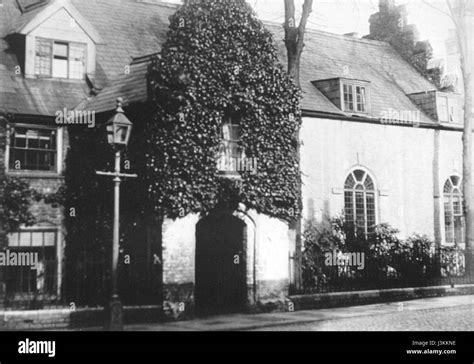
273,248
179,249
268,237
400,159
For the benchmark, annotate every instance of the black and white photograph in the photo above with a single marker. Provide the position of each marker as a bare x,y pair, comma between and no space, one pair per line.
244,167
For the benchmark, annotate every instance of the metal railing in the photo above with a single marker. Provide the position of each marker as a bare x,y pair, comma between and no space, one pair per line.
436,268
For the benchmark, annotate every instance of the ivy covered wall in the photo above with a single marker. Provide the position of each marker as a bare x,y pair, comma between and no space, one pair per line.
219,60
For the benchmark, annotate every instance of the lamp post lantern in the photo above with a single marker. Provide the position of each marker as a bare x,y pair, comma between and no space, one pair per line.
119,129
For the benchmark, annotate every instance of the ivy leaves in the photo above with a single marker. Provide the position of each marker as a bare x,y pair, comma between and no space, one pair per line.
17,197
219,59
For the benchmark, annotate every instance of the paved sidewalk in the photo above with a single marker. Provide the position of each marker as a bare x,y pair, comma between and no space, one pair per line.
243,322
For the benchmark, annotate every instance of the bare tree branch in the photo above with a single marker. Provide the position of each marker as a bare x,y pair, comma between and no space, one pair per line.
428,3
307,8
294,36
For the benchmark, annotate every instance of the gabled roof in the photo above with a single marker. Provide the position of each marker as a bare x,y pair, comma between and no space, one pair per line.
133,86
328,55
325,56
132,28
30,20
127,29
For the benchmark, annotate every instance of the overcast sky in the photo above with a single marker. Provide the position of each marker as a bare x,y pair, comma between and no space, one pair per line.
346,16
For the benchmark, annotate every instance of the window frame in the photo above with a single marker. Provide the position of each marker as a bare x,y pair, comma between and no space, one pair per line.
354,86
229,120
52,42
365,191
55,261
450,198
451,109
58,153
350,94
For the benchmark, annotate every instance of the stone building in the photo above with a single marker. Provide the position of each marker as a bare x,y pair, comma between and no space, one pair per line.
380,143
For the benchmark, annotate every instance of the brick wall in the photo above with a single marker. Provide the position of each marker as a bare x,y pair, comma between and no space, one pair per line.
43,183
44,212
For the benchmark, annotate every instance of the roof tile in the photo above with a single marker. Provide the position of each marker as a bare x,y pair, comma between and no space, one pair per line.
134,29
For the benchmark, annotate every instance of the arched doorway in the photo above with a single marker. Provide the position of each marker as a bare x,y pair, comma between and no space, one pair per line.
220,265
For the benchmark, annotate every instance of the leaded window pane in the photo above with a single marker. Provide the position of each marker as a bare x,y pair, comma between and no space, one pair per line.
44,51
350,182
359,175
349,206
33,149
359,201
453,211
348,97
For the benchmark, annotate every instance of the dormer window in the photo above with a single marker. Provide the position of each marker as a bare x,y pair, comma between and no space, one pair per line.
361,99
349,95
447,109
59,59
355,96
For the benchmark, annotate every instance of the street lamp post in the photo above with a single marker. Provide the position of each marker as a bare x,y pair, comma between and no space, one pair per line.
119,129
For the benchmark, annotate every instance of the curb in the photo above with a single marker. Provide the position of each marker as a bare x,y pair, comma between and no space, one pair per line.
65,319
359,298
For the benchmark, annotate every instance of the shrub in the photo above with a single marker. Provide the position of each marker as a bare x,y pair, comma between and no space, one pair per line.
389,261
412,258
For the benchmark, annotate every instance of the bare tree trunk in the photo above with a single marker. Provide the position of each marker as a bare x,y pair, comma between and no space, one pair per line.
467,167
294,36
3,235
294,41
460,15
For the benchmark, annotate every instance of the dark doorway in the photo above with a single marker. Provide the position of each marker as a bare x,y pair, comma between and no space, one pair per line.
220,265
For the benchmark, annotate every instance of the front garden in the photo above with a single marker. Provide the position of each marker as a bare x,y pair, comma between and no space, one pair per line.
337,257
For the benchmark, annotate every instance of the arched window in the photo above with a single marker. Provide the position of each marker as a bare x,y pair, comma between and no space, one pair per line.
453,211
359,201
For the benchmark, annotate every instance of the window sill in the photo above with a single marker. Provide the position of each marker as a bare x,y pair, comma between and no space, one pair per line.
33,174
56,79
359,114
